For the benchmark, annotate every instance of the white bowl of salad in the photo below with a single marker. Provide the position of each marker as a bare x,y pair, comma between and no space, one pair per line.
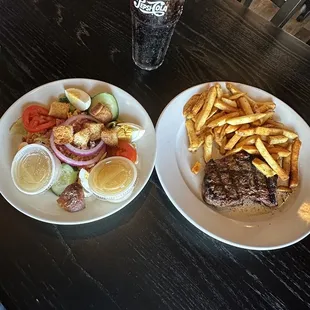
88,128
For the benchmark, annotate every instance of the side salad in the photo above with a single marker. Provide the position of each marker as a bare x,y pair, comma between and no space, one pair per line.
80,138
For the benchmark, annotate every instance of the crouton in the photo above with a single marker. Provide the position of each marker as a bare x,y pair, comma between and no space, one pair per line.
95,130
109,136
101,113
81,138
59,110
63,134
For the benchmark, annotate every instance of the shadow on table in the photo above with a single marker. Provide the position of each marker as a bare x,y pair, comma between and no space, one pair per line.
102,226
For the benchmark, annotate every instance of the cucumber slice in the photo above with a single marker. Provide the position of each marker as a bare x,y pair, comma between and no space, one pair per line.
67,176
108,100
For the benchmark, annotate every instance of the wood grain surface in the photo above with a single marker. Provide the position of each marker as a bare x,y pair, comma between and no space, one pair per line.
146,256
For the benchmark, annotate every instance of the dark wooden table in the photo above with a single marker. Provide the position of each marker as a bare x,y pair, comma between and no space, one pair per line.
146,256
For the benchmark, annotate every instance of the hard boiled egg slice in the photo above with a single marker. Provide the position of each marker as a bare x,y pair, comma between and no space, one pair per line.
83,176
78,98
129,131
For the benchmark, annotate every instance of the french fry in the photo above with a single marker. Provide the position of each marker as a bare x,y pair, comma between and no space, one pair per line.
246,132
245,119
230,135
194,141
230,102
235,139
217,133
263,120
290,134
265,125
276,157
209,120
199,103
277,139
232,88
196,168
263,103
236,96
192,117
265,131
271,162
187,109
263,108
232,142
266,144
245,105
284,189
219,90
207,148
203,134
222,147
285,145
234,151
206,109
275,123
232,128
212,132
294,181
282,152
218,130
251,100
213,111
263,168
222,120
251,149
224,106
247,141
223,131
286,163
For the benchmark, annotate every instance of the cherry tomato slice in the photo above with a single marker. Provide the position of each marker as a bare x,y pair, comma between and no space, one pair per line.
124,149
36,119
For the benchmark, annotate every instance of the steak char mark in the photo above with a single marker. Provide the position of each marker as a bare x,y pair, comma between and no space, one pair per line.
234,181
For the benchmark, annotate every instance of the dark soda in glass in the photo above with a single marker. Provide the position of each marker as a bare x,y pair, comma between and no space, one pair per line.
153,23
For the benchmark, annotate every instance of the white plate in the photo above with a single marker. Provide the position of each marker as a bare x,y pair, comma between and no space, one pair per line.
44,207
173,164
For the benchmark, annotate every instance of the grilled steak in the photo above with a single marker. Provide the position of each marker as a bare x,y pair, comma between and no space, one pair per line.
234,181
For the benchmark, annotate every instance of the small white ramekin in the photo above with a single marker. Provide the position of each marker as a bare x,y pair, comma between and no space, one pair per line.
55,167
122,194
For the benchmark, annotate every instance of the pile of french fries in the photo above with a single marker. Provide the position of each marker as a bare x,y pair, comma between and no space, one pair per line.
234,122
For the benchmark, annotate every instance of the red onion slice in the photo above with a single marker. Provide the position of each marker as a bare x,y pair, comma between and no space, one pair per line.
72,162
72,119
88,152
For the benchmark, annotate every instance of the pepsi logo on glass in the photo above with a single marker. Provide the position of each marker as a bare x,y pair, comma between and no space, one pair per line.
157,8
